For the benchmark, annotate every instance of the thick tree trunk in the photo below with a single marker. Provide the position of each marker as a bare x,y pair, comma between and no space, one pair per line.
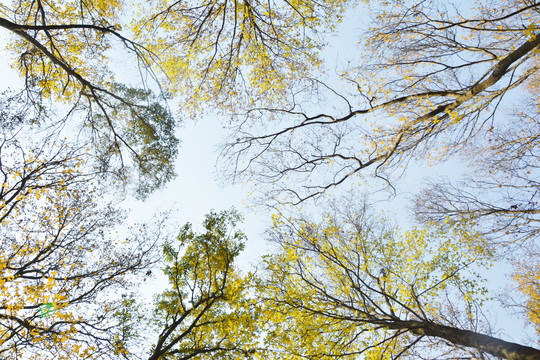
494,346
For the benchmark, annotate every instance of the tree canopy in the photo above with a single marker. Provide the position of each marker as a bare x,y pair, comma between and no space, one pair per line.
61,263
429,81
206,311
233,54
351,286
63,52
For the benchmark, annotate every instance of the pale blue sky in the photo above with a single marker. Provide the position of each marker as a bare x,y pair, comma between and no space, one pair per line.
195,191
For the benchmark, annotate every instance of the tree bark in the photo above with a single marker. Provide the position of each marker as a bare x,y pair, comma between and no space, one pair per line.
494,346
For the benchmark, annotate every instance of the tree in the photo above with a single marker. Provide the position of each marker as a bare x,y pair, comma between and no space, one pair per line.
434,82
58,256
430,81
62,51
350,286
503,193
206,311
232,53
61,265
63,270
210,51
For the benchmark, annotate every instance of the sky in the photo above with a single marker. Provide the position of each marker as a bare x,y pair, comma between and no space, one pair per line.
197,189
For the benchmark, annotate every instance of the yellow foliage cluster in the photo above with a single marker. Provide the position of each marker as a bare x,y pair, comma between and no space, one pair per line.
32,248
52,230
527,276
228,53
55,58
336,287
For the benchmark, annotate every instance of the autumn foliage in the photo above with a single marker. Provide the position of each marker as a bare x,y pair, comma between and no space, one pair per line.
92,121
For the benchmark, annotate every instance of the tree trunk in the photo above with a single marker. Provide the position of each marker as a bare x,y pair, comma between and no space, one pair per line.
494,346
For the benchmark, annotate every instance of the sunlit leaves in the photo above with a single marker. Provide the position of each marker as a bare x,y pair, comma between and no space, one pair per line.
63,42
58,251
206,309
231,53
345,286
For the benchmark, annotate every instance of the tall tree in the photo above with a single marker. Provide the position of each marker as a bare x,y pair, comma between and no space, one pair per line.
206,312
350,286
432,79
63,49
232,53
429,80
61,264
